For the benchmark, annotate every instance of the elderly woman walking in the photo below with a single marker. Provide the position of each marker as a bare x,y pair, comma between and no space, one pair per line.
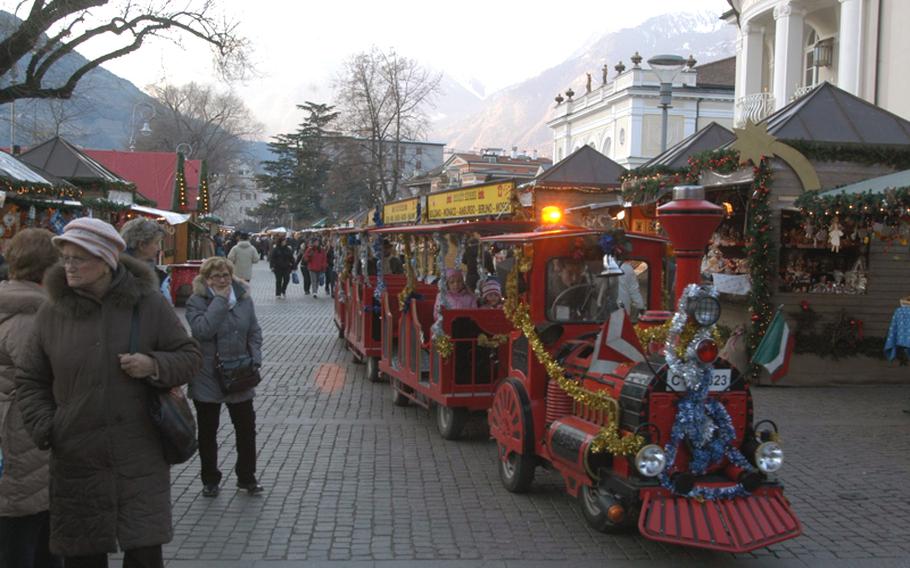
143,241
221,316
84,395
24,517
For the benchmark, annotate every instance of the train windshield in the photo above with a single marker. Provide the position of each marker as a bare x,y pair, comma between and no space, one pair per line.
576,292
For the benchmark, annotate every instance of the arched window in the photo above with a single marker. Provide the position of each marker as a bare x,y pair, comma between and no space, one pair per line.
608,143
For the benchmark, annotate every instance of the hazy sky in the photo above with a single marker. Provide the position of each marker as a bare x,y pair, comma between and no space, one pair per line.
299,45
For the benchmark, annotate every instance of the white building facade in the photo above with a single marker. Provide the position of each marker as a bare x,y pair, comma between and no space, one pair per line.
621,119
241,197
786,47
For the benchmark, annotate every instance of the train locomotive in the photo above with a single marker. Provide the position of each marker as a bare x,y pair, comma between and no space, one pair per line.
668,442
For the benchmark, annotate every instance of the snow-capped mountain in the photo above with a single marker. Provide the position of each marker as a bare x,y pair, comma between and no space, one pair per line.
517,115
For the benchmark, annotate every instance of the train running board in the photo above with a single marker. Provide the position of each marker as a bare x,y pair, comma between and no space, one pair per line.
729,525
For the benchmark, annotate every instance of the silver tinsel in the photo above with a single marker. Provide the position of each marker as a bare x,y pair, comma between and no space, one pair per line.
443,244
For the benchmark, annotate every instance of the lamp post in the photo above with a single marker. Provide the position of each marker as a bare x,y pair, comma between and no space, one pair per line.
144,112
666,67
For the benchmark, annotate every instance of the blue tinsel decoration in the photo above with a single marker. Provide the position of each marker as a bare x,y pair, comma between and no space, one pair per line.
607,242
707,425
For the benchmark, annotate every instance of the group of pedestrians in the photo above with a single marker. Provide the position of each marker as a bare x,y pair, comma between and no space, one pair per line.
314,260
86,337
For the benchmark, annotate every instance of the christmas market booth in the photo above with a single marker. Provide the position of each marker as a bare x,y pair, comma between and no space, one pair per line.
103,194
30,198
583,182
835,261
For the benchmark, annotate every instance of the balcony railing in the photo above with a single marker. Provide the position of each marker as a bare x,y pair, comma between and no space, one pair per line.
754,107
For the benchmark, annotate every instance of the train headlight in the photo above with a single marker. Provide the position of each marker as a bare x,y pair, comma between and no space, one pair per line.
704,309
651,460
769,457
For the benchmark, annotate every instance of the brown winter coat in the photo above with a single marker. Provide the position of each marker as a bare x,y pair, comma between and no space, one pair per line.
23,486
109,481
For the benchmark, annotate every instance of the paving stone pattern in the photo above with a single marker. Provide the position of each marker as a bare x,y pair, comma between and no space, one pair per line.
353,480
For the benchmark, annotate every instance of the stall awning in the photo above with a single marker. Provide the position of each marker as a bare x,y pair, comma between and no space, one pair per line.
170,217
874,185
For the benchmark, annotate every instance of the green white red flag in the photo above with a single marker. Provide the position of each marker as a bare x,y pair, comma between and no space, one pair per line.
776,347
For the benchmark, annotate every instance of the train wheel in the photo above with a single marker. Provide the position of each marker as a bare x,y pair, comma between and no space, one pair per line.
450,421
398,398
511,424
373,369
594,505
516,471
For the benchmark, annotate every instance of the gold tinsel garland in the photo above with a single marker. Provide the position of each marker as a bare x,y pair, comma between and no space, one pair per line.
492,342
411,282
443,344
608,439
647,335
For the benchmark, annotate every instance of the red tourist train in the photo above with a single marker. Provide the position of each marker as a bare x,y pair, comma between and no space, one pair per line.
666,442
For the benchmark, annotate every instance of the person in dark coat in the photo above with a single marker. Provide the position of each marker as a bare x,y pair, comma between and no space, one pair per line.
84,395
24,502
143,241
222,318
281,261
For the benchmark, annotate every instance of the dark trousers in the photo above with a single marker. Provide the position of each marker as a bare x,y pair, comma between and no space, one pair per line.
306,279
24,540
145,557
282,277
243,417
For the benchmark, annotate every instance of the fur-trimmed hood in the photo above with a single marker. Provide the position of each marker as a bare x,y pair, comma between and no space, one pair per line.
19,297
132,280
241,289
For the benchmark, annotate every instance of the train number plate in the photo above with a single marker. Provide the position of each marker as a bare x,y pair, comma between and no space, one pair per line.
720,381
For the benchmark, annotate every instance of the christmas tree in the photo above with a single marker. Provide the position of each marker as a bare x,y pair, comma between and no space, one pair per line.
203,200
179,201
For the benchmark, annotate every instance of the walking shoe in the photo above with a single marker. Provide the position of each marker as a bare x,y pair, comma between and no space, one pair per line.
211,490
253,487
314,295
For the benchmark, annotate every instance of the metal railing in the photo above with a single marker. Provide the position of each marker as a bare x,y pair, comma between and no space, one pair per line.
754,107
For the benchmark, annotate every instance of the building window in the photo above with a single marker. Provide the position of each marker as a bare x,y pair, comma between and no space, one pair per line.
607,146
810,77
417,164
622,136
419,150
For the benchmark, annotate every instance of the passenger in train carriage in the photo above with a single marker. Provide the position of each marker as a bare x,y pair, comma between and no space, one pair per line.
457,296
491,294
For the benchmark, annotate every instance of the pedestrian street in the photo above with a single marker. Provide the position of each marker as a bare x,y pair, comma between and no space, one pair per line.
352,480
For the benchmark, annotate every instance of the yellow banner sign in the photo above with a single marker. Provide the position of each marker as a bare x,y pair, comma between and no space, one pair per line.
480,201
404,211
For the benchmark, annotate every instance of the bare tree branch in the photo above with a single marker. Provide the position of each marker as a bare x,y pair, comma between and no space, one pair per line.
77,27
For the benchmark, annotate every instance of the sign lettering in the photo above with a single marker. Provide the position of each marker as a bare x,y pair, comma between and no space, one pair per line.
481,201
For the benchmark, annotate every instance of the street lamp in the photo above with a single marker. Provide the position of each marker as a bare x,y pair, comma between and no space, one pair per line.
666,67
144,112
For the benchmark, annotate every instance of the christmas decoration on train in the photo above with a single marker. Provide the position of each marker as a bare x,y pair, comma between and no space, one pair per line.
609,438
700,420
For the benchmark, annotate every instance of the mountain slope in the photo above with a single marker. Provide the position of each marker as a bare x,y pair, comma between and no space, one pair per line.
517,115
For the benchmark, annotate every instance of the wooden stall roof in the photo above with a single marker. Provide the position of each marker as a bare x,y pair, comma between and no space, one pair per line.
830,114
710,137
873,185
585,168
62,159
18,171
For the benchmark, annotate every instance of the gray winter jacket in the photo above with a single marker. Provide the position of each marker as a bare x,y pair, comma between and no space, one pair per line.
238,334
243,256
23,486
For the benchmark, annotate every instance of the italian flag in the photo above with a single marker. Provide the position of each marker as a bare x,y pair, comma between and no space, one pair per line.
773,353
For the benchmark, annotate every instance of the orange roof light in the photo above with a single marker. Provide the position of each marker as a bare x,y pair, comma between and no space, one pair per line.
550,214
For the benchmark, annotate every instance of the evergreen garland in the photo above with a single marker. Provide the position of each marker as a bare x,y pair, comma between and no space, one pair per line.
102,204
761,250
203,205
897,157
888,207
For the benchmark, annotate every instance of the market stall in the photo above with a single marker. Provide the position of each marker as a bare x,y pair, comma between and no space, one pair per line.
836,268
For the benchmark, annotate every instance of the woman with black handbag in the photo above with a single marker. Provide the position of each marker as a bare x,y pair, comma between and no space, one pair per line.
222,318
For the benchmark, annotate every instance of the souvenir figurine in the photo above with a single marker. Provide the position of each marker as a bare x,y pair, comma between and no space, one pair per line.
834,234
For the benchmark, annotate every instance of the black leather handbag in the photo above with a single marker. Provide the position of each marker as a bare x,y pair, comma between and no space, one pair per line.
170,412
236,374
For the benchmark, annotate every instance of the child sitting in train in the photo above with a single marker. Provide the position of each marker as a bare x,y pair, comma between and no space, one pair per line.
491,294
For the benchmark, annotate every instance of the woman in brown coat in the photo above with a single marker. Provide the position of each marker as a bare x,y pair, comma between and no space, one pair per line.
84,395
24,520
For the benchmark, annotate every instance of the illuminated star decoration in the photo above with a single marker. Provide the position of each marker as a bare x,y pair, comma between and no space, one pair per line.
754,142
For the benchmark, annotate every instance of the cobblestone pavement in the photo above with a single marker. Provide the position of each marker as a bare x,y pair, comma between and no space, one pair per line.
352,480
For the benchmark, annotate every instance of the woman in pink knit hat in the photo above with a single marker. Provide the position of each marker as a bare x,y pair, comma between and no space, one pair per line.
104,336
